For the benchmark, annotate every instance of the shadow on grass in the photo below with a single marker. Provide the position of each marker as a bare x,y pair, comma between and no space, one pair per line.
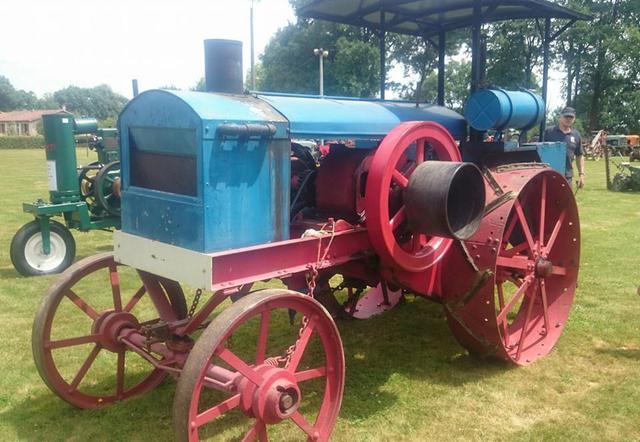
384,353
628,353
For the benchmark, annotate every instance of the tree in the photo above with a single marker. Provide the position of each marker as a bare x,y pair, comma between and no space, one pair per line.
602,60
99,102
12,99
288,63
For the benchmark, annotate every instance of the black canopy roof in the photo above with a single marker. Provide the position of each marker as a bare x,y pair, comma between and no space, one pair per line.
429,17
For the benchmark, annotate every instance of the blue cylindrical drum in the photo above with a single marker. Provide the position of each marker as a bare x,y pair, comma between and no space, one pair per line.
499,109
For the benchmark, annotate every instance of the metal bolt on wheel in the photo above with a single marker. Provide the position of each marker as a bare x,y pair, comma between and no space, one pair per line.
246,379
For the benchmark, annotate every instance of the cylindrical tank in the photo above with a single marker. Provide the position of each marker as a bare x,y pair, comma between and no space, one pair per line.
500,109
223,66
60,149
85,126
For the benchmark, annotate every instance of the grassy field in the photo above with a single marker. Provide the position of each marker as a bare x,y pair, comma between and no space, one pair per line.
407,378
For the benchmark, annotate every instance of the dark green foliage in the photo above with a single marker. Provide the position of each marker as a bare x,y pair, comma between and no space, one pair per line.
289,64
11,98
16,142
99,102
602,60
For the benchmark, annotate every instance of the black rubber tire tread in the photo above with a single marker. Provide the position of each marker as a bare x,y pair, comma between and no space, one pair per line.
211,338
29,230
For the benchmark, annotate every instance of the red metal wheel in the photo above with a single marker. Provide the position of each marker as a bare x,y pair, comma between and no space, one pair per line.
230,376
399,153
527,252
75,332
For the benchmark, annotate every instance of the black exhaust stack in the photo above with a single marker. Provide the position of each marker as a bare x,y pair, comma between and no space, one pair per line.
223,66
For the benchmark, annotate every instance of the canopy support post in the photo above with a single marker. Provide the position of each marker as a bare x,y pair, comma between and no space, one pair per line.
441,67
545,74
383,56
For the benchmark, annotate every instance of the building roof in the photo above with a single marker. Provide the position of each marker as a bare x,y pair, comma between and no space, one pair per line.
27,115
429,17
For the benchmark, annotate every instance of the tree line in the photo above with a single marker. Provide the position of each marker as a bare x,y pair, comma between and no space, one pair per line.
100,102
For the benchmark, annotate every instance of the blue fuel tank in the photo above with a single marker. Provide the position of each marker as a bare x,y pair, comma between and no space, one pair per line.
499,109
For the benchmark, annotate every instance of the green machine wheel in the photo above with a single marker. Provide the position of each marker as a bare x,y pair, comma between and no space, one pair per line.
27,253
107,188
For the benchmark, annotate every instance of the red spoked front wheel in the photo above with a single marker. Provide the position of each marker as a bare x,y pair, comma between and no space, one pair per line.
240,381
531,249
75,332
399,153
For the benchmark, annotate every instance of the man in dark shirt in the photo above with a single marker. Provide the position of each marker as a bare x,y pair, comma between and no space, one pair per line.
565,133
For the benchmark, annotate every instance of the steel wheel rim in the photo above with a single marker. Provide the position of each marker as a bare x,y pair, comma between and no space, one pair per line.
422,252
549,281
43,345
488,322
37,259
333,366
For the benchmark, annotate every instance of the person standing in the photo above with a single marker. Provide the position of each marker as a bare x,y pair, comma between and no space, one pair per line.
566,133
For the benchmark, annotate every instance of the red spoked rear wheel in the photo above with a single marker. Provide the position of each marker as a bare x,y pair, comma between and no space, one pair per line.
75,332
237,384
399,153
521,314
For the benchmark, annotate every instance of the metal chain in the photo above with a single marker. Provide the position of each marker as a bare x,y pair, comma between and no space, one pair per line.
312,276
195,302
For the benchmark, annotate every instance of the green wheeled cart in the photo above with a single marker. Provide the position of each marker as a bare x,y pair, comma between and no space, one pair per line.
87,198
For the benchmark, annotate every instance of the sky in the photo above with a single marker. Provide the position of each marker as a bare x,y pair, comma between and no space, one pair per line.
160,42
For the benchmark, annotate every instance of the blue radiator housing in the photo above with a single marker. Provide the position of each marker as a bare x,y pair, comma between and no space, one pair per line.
186,183
210,172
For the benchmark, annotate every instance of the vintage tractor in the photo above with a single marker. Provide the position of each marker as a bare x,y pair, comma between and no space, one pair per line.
207,201
88,198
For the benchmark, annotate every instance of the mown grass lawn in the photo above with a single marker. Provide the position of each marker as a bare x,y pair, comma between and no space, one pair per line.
407,378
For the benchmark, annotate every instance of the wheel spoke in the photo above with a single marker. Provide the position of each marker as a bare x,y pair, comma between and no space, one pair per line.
512,302
301,345
399,178
135,298
85,367
559,271
543,206
545,305
262,337
120,374
524,225
505,325
115,287
301,422
259,430
69,342
524,326
312,373
420,151
514,262
235,362
397,219
81,304
554,234
213,412
516,249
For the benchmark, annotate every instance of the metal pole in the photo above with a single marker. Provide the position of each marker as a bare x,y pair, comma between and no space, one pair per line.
441,67
545,74
253,65
383,56
134,86
475,46
321,74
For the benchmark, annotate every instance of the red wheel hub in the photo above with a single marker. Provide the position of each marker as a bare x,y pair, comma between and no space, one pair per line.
400,152
109,325
275,400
